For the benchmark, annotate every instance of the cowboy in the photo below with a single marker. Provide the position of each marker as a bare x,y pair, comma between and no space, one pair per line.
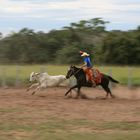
87,67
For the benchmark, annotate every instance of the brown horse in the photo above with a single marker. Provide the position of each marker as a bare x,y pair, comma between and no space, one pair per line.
82,82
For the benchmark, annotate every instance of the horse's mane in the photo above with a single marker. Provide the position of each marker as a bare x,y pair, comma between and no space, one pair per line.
79,69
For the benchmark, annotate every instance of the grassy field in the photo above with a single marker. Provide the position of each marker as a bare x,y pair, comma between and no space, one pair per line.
53,117
22,72
69,130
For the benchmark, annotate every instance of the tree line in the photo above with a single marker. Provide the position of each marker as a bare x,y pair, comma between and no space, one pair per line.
62,46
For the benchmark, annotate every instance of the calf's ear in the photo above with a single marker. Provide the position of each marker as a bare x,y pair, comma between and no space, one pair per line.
37,73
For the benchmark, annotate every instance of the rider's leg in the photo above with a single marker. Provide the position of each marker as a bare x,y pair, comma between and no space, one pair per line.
91,77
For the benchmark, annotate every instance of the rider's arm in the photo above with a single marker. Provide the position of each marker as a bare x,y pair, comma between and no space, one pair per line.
84,65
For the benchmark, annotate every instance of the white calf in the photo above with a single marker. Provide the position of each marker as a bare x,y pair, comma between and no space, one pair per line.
45,80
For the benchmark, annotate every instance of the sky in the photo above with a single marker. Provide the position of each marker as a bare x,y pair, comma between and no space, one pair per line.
46,15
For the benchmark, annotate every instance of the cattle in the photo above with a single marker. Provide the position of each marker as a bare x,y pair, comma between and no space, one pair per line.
44,80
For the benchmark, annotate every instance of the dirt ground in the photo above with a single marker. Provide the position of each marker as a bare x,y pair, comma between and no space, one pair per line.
51,103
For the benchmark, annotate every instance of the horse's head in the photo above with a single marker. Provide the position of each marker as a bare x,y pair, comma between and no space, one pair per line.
71,71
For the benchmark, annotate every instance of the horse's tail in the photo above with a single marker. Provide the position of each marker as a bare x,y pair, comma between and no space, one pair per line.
113,80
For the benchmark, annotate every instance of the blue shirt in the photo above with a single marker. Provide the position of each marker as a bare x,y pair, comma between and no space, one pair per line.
88,62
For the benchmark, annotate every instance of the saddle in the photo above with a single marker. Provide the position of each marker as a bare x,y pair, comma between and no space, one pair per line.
97,76
93,74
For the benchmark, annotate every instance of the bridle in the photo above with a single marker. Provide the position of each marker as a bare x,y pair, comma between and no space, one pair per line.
77,72
74,73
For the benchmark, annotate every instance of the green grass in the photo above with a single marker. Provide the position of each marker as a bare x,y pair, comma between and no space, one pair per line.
123,73
69,129
8,73
9,110
21,127
11,74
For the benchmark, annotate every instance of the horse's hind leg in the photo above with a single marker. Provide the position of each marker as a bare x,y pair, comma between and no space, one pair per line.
108,91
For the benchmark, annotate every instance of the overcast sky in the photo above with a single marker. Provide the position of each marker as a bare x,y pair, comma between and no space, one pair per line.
45,15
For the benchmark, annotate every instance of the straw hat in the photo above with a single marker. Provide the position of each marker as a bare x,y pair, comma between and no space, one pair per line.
84,54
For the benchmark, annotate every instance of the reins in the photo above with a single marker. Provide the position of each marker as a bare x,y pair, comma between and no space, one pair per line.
74,73
77,71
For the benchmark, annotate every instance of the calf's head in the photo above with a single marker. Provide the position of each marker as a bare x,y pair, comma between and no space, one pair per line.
33,76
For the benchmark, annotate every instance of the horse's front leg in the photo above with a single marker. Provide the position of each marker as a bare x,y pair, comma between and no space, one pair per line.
78,92
70,89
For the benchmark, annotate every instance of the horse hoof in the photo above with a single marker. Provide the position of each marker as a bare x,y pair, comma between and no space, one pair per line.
76,97
33,93
69,96
83,96
113,97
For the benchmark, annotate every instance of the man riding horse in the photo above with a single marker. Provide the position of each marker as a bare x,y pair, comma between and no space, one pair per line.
86,76
92,75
